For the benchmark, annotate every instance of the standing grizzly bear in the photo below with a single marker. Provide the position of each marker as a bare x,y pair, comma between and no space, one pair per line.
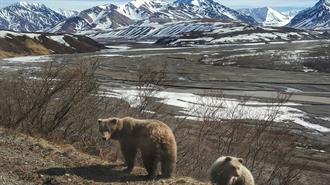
154,138
229,170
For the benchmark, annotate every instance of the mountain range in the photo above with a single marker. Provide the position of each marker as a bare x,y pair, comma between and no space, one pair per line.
149,16
111,16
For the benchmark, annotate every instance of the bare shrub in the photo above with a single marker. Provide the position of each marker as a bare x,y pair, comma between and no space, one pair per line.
59,102
149,82
260,144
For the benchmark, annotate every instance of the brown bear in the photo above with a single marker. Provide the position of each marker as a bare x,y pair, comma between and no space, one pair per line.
153,138
229,170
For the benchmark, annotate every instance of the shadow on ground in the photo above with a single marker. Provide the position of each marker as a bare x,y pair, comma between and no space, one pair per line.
97,173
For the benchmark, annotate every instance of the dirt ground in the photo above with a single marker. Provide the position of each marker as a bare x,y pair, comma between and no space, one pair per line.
28,161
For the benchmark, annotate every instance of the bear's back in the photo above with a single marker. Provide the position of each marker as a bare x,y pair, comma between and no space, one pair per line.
148,128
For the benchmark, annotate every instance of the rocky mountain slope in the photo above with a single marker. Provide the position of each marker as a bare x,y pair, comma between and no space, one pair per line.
267,16
28,17
316,18
18,44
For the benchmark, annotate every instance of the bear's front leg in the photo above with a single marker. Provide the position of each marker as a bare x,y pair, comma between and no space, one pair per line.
129,153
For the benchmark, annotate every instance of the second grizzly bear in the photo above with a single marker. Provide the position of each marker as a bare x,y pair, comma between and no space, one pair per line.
154,138
229,170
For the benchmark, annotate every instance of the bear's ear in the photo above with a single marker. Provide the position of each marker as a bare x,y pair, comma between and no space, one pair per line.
99,121
241,160
228,159
114,120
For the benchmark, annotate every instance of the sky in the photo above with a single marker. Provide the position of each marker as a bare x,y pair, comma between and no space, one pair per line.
84,4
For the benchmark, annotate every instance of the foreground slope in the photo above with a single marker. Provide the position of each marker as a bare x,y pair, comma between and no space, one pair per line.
25,161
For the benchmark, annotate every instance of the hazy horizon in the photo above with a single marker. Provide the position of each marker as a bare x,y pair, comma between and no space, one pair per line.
235,4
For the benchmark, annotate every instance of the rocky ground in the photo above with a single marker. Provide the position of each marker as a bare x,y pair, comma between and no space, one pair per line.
28,161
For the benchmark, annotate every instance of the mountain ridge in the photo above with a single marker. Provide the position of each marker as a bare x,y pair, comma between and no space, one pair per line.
314,18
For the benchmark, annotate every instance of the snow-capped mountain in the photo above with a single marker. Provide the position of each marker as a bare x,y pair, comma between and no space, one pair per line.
67,13
316,18
267,16
212,9
142,9
99,18
28,17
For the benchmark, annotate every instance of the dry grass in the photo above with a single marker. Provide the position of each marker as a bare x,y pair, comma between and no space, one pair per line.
36,48
5,54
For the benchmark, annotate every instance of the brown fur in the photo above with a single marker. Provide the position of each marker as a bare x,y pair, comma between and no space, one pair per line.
229,170
154,138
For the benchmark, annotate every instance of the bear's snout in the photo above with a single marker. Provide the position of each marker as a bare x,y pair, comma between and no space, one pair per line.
106,136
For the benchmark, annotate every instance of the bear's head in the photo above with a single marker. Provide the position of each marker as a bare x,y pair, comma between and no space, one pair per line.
230,165
108,127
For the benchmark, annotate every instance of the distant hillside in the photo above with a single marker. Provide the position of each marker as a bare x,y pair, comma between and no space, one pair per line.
20,44
240,33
